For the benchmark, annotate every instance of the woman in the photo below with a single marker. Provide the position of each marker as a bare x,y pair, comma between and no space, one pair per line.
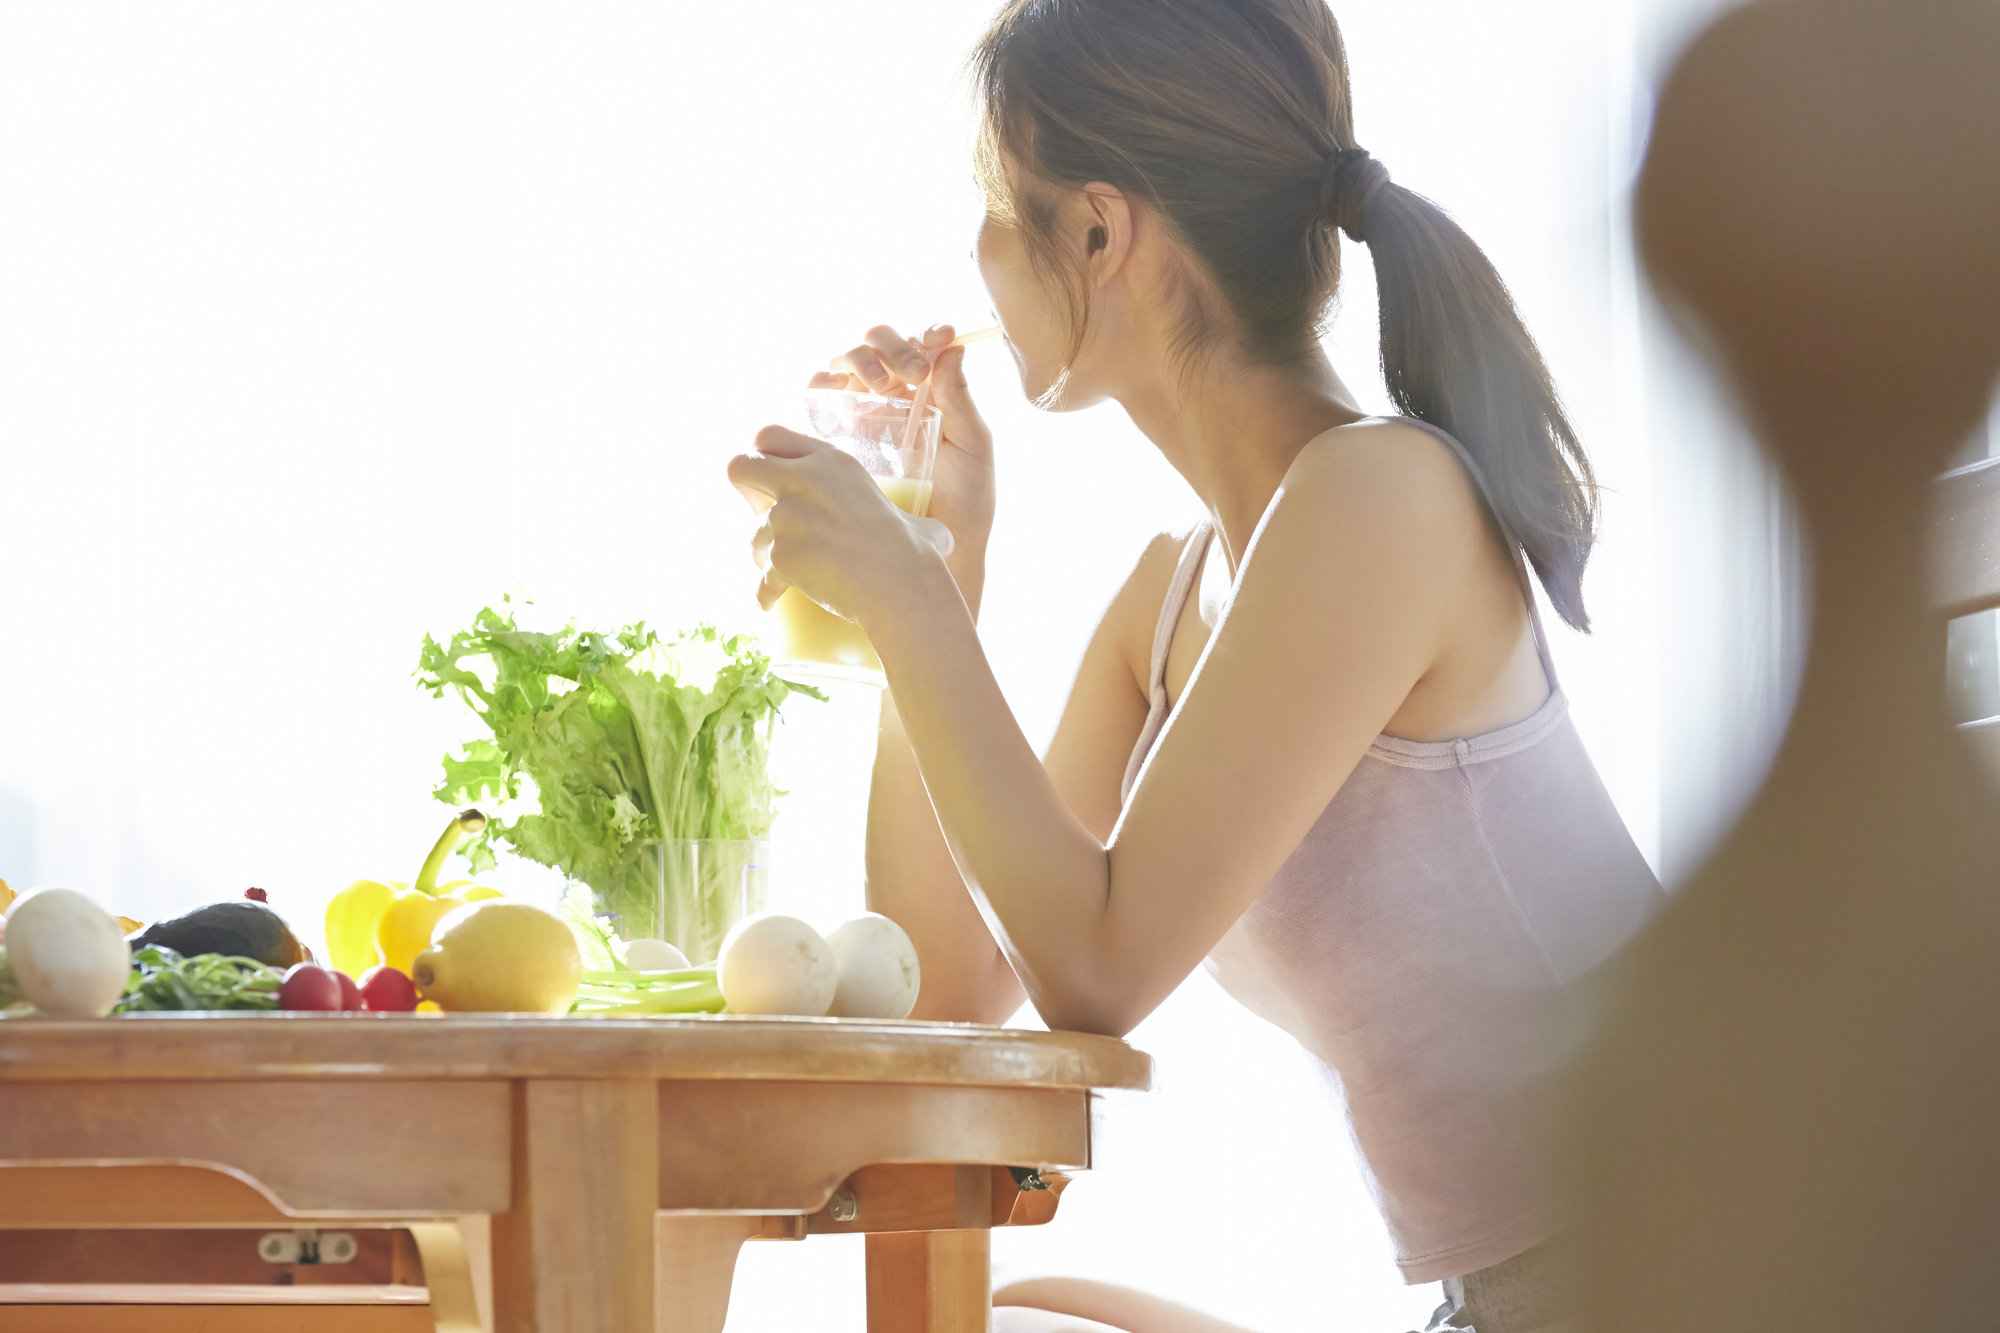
1318,741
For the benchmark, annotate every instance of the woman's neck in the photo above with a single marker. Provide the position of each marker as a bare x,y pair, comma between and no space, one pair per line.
1232,430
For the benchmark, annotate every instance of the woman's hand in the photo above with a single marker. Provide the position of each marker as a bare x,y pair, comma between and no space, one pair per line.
828,530
887,363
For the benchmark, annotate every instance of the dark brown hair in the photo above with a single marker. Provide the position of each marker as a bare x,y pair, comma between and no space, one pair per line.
1228,118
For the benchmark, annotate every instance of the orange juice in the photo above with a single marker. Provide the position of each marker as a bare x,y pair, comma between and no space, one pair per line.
808,633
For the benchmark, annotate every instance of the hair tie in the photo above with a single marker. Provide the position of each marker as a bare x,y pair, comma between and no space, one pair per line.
1350,180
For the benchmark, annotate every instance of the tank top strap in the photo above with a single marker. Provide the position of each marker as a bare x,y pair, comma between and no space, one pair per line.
1193,555
1515,552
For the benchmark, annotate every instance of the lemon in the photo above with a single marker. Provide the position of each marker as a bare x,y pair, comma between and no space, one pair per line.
405,929
501,957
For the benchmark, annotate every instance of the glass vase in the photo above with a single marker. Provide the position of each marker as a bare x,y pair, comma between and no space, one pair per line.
698,889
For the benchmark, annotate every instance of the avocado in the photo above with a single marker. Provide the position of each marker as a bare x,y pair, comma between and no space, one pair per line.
240,927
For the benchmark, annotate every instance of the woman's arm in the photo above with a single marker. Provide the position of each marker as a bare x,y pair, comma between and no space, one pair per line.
911,875
911,880
1337,615
1366,554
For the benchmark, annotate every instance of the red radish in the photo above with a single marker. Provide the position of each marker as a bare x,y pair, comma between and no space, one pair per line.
385,990
350,994
308,986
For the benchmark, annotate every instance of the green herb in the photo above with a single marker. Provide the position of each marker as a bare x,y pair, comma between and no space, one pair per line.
620,739
623,993
10,990
611,989
162,979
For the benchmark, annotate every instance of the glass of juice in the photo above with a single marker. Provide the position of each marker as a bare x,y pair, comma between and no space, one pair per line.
810,641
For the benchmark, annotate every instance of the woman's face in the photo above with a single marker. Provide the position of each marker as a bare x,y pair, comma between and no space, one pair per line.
1057,373
1037,326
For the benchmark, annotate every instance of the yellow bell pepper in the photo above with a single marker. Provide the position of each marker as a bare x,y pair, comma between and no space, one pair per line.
371,922
350,925
405,929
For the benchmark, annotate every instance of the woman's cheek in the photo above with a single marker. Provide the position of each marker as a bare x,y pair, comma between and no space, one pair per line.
1033,326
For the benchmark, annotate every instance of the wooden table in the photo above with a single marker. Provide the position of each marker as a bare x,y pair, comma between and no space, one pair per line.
604,1172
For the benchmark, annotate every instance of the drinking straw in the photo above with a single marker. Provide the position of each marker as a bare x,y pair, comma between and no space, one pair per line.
976,336
923,394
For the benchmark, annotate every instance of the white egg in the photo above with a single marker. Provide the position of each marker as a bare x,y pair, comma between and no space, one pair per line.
654,956
70,958
879,977
772,964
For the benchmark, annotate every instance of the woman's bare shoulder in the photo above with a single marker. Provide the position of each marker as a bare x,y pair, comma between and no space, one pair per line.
1154,570
1145,588
1392,472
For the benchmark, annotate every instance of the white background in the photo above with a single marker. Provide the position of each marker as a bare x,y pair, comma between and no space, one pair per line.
321,325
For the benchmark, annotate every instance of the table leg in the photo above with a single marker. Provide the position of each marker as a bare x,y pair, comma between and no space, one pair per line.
697,1264
929,1282
575,1253
476,1234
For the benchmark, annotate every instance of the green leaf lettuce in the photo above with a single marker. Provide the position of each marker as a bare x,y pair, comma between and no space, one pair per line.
620,739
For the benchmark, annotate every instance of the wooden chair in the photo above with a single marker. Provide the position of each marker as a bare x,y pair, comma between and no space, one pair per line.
1966,568
1787,1122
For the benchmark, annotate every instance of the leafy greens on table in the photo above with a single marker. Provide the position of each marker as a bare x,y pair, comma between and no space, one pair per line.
163,979
623,737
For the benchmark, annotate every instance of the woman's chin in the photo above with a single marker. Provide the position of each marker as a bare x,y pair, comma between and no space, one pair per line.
1056,392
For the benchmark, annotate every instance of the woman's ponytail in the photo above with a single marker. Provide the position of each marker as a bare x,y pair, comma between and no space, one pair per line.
1217,113
1455,354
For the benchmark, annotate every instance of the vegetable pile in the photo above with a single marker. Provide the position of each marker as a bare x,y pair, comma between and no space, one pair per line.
622,750
66,957
619,739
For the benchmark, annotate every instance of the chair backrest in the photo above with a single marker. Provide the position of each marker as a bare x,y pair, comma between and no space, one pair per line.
1984,736
1966,540
1965,572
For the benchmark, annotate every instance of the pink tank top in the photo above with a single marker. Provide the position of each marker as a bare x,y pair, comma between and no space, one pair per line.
1427,941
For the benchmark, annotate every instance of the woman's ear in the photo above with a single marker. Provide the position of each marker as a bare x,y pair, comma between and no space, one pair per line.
1106,223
